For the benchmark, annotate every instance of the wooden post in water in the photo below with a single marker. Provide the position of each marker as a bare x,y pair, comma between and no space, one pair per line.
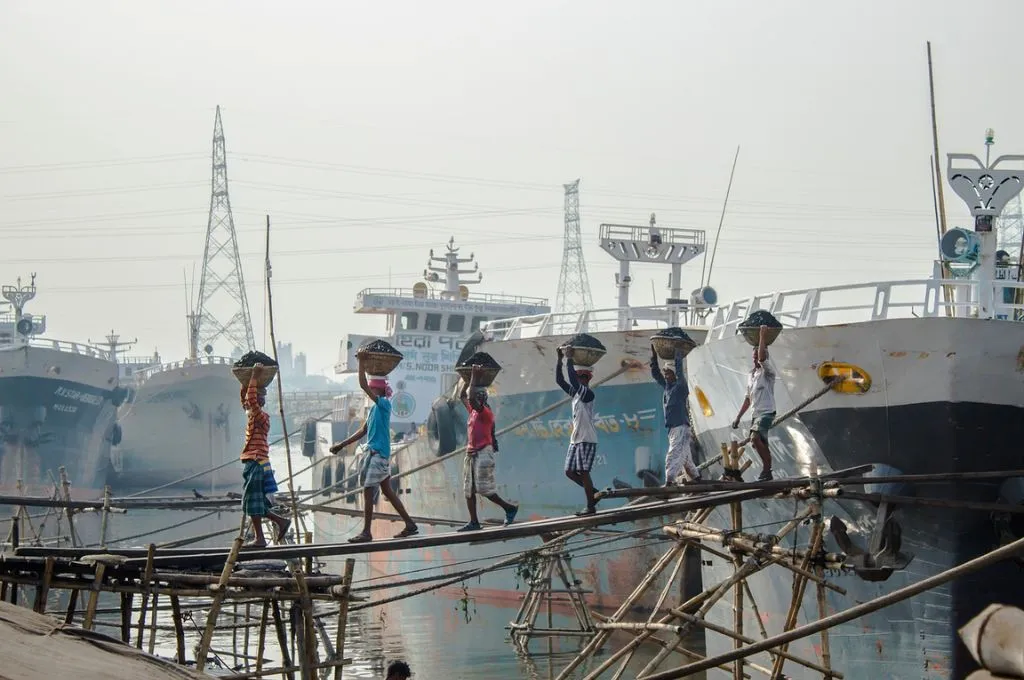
282,639
345,595
737,592
179,629
147,578
94,595
262,637
105,518
43,592
66,493
219,590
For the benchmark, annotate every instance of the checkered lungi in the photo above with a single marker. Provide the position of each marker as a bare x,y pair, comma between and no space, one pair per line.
254,496
580,457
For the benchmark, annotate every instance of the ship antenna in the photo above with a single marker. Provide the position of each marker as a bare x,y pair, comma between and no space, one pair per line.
721,219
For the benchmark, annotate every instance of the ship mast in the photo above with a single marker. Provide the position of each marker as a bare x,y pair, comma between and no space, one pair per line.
986,189
114,346
452,273
18,295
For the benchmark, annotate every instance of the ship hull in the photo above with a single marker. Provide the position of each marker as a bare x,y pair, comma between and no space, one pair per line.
945,396
530,472
181,421
55,412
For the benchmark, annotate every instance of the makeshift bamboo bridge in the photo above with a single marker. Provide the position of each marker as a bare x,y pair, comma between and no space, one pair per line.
269,579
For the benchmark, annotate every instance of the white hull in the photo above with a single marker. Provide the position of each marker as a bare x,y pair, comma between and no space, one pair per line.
55,411
182,420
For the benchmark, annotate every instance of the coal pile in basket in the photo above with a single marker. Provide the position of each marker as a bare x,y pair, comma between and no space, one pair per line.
378,347
584,341
751,327
482,359
250,359
668,340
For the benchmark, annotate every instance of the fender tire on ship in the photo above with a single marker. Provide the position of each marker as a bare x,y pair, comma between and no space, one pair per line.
118,396
115,434
441,432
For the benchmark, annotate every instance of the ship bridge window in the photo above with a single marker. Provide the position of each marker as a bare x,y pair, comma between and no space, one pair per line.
456,323
477,322
432,322
409,321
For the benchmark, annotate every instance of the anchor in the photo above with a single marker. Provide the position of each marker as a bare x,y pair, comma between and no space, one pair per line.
883,555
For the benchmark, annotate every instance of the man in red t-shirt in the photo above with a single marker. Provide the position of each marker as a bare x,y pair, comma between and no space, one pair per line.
478,468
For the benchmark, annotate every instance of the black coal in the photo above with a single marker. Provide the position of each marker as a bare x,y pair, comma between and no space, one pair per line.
483,360
761,318
250,359
675,333
585,341
379,347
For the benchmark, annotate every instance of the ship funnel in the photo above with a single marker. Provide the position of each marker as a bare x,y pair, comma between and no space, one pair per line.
960,245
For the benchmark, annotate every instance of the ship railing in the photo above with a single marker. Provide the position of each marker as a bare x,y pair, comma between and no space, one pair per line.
81,348
598,320
872,302
431,294
184,363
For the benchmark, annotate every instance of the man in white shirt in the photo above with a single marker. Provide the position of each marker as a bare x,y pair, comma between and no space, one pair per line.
760,400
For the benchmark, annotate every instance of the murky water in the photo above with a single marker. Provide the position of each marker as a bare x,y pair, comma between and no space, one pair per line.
445,634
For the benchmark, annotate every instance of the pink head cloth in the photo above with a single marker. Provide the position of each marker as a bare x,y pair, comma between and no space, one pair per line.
381,384
584,369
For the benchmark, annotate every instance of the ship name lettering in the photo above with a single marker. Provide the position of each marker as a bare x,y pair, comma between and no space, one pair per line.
65,408
83,397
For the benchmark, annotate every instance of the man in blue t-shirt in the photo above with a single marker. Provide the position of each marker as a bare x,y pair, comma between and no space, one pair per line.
376,467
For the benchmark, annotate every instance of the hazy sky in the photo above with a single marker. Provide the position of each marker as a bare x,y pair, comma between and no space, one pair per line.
371,132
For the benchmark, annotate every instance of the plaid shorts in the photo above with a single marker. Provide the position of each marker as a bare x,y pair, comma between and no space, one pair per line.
254,497
580,457
269,481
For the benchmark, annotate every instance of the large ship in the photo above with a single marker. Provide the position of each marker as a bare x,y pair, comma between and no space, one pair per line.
58,402
179,418
935,383
530,462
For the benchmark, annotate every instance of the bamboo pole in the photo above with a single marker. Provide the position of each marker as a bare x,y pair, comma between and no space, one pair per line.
280,388
146,580
66,491
737,593
105,517
43,591
1007,551
152,624
218,597
261,644
94,594
345,595
126,617
282,640
179,629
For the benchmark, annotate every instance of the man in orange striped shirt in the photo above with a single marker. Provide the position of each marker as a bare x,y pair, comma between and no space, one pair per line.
255,455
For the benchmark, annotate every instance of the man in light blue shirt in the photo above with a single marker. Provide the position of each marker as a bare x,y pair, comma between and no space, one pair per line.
376,468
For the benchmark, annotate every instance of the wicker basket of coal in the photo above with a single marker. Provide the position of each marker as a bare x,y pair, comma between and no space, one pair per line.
666,341
586,349
379,357
750,328
489,369
242,369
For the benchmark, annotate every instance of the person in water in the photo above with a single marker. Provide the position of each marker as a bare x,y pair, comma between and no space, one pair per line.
256,503
760,400
478,475
398,670
579,458
376,468
679,457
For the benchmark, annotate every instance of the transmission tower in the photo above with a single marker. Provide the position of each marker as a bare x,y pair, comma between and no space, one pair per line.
573,284
223,311
1010,227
